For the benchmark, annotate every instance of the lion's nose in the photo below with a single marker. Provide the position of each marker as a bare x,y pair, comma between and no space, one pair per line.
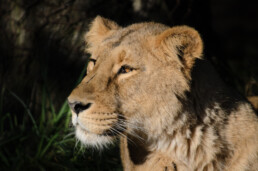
78,107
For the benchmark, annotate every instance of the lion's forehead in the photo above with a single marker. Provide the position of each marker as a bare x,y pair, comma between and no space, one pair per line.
133,35
130,48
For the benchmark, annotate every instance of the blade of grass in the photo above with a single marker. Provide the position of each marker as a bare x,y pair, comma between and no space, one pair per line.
51,104
15,121
48,145
68,119
52,108
43,109
40,146
67,138
27,110
10,140
61,112
66,141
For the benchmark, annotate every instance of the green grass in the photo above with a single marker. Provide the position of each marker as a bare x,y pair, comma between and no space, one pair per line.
45,141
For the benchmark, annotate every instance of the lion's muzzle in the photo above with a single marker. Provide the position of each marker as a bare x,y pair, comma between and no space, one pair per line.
93,122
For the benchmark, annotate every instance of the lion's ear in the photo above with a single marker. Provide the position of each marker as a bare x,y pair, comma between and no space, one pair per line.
99,29
183,41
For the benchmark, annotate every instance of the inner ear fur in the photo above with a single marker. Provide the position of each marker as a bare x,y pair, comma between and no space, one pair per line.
99,29
183,41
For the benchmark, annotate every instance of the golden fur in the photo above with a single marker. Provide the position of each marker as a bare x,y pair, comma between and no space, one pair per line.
150,87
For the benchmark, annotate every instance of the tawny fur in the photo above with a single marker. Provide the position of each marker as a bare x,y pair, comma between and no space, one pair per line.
169,108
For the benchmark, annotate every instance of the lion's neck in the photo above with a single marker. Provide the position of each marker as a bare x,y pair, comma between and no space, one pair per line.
189,134
186,142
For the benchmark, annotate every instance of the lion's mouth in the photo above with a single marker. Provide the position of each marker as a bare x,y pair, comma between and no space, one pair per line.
104,124
112,131
101,131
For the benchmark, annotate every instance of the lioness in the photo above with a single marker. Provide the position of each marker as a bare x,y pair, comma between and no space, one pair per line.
149,85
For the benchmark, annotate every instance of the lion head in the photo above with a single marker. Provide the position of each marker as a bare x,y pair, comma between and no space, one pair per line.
134,78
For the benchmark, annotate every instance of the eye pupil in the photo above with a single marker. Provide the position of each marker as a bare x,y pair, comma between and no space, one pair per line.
124,69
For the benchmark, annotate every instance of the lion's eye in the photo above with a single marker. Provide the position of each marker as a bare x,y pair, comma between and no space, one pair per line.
93,60
124,69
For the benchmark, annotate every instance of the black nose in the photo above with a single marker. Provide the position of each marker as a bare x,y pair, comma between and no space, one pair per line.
78,107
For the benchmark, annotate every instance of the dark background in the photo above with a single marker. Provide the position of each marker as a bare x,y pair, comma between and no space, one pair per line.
43,40
41,45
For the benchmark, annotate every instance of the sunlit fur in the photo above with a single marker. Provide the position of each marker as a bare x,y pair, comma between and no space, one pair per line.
171,111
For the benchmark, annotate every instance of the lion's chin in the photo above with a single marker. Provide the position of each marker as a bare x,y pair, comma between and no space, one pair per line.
93,140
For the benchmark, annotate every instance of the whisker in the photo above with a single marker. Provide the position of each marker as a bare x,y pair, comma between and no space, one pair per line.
131,125
131,133
122,134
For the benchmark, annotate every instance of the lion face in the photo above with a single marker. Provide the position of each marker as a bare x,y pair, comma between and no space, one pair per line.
134,75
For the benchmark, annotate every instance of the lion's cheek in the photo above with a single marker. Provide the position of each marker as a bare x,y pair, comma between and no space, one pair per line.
133,106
